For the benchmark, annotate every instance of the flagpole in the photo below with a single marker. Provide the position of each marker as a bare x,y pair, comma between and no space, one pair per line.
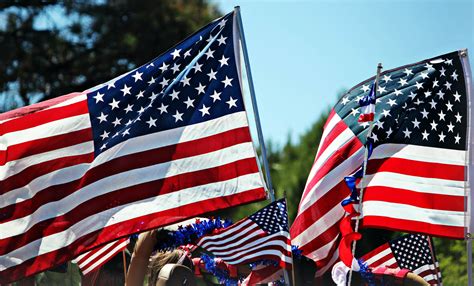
254,104
430,245
124,265
364,171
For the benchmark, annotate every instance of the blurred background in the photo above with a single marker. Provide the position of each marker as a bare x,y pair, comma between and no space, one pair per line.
304,55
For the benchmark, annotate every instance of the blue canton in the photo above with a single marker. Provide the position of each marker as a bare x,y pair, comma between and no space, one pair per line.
195,81
273,218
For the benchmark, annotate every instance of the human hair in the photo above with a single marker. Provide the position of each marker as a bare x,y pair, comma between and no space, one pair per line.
160,259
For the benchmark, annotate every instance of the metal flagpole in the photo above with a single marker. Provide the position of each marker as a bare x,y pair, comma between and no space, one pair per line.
254,103
366,155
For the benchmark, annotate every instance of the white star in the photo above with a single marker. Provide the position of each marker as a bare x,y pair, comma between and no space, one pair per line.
364,124
374,137
433,104
458,117
209,54
449,62
407,133
151,122
98,97
434,125
189,103
419,85
175,53
418,101
387,78
216,96
105,135
381,89
435,83
150,65
200,88
440,94
164,67
197,67
117,121
125,90
110,85
424,113
450,127
137,76
141,111
403,82
227,82
102,117
151,81
212,75
457,97
448,85
441,137
175,68
386,113
449,106
457,138
423,75
128,108
222,23
416,123
114,103
354,112
391,102
163,108
365,88
164,82
379,124
427,93
204,110
408,72
429,67
140,94
441,115
223,61
389,132
126,132
231,102
345,100
221,40
153,96
103,146
187,53
185,80
425,135
442,70
126,124
174,94
178,116
398,92
412,95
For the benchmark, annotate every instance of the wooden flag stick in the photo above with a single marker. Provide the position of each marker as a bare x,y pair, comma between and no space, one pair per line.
124,265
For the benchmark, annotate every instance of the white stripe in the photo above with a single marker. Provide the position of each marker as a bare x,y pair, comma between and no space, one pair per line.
244,251
209,242
414,183
323,252
133,145
14,167
57,127
216,247
75,99
334,177
412,213
127,179
420,153
228,250
367,109
123,213
378,256
334,258
106,257
328,128
206,239
85,258
319,226
272,252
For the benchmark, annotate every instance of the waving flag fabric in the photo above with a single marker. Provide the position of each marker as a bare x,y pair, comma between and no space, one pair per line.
416,174
167,141
411,252
367,106
263,235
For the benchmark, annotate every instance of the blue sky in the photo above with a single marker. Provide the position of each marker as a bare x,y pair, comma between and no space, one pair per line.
303,54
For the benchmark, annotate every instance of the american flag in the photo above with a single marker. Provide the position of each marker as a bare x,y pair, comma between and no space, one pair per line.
167,141
411,252
261,236
97,257
415,178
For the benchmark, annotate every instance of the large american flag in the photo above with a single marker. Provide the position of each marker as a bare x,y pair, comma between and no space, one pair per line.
416,175
167,141
261,236
411,251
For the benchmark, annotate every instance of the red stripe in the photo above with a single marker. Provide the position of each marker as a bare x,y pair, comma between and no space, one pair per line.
48,260
416,168
325,261
116,166
413,226
328,140
330,116
24,177
422,200
209,241
101,258
366,117
336,159
377,251
263,275
38,146
43,116
128,195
